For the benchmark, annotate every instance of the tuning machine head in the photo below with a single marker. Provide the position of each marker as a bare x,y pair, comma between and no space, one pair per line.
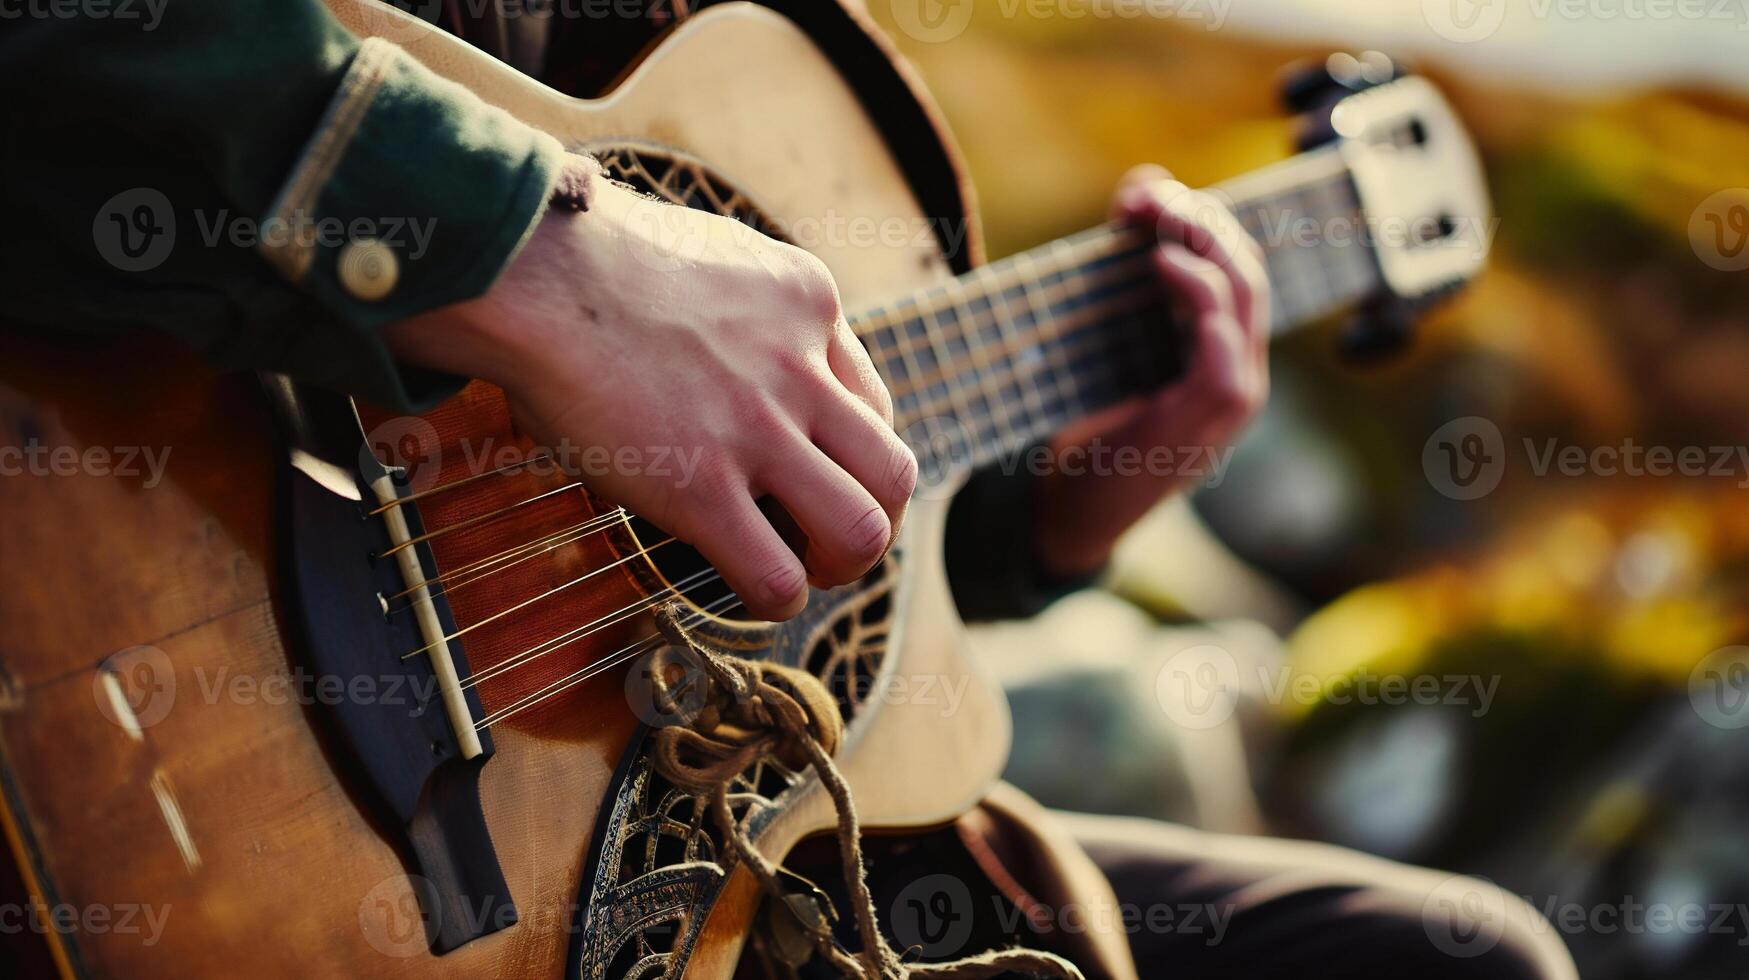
1312,89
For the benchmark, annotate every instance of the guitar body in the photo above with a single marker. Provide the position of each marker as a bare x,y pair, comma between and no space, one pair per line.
157,751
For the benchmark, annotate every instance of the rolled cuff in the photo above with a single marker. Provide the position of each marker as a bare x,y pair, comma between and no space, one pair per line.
412,194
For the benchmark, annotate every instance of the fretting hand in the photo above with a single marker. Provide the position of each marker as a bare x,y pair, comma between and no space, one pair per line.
1213,274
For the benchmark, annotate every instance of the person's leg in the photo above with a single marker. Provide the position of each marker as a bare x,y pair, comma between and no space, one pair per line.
1201,905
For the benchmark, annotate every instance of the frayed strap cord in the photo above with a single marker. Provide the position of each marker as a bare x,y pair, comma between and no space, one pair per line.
753,709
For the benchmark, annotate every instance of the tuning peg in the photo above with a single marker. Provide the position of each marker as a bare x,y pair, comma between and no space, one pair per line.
1378,331
1308,86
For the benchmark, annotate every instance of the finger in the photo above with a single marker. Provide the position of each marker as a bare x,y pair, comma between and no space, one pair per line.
1221,392
740,543
1197,284
1142,175
1232,357
854,369
847,530
1208,227
1204,225
871,452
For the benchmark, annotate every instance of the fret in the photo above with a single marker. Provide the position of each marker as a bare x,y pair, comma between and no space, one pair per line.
969,418
983,367
1010,352
1022,353
914,369
1068,397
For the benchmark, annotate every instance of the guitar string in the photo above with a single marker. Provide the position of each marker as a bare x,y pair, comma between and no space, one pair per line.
1086,314
1079,329
962,327
586,576
429,491
1073,326
483,568
583,674
1005,274
879,317
1090,317
463,631
1110,240
699,579
586,673
1073,270
1088,334
479,519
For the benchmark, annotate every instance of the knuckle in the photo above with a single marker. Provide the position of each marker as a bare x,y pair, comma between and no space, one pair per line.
902,473
867,537
782,583
756,421
814,290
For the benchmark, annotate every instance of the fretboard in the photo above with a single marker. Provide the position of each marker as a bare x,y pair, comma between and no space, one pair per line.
990,363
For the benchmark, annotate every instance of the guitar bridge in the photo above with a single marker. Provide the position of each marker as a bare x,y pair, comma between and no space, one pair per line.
404,726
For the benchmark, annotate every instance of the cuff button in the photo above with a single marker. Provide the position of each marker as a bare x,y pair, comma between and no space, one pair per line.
368,269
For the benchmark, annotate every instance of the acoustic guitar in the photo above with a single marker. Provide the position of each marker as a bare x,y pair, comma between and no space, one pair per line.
339,693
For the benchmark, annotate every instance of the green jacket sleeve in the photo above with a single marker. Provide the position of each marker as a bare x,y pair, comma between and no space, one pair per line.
251,178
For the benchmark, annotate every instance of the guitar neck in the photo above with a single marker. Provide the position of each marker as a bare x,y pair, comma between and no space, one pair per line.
986,365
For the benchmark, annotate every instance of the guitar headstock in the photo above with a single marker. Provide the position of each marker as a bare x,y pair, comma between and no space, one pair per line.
1417,178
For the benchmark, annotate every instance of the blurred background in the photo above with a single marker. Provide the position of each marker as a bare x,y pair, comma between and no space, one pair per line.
1542,685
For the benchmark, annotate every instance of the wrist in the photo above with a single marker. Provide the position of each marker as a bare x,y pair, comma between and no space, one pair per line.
493,336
